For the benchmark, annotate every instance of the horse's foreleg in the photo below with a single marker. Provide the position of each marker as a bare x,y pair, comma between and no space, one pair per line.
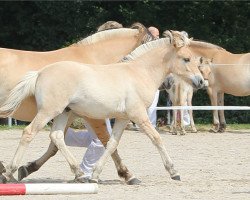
183,132
28,134
112,144
213,98
222,119
190,112
157,141
33,166
100,129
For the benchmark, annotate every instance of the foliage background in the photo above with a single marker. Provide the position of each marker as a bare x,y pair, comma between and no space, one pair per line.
48,25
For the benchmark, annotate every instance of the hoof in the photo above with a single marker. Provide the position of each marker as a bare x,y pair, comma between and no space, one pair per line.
212,130
3,179
93,180
134,181
2,168
81,179
183,133
22,172
176,178
194,130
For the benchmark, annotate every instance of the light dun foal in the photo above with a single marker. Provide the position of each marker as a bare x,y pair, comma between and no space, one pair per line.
89,91
181,94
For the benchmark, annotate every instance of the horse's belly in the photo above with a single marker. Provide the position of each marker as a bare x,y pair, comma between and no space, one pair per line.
27,110
99,110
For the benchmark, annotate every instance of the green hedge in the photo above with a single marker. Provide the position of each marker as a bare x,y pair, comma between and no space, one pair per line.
48,25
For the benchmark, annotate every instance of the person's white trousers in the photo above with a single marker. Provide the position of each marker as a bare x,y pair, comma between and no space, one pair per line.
87,138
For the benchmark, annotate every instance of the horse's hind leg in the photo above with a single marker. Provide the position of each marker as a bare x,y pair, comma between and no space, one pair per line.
57,136
28,134
100,129
33,166
222,119
2,168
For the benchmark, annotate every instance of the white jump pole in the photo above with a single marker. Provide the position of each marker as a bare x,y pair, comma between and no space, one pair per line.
204,108
48,188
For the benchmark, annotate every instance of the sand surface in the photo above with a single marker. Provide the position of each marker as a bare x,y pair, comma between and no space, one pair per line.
212,166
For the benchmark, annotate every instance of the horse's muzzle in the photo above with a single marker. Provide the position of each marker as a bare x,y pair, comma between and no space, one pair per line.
198,82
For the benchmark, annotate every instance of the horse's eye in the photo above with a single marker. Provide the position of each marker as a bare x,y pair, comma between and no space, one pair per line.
186,59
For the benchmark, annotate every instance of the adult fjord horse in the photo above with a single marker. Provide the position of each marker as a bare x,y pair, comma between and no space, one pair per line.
101,48
230,75
90,92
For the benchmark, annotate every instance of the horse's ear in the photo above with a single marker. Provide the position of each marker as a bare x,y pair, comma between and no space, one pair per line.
168,34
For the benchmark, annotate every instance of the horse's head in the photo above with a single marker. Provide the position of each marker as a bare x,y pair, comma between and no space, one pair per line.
205,68
185,64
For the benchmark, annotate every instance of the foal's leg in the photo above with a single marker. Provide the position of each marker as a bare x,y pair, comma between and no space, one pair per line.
213,98
144,123
33,166
190,112
183,132
57,136
99,127
221,113
117,131
28,134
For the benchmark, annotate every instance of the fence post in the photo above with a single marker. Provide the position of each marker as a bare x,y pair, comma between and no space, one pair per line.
9,121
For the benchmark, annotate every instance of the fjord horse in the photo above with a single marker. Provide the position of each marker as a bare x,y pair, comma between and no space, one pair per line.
230,75
89,91
101,48
181,94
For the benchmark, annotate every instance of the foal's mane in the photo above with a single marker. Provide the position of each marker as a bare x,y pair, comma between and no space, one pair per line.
104,35
198,43
144,48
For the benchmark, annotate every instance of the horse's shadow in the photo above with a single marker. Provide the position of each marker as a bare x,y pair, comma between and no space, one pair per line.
49,180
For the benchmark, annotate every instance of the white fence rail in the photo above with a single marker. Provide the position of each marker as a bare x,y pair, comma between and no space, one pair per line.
204,108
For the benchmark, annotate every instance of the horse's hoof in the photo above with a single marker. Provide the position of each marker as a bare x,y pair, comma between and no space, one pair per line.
176,178
183,133
81,179
3,179
22,172
212,130
134,181
2,168
93,180
194,130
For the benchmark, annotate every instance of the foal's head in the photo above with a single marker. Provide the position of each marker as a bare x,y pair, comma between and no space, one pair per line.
205,68
185,64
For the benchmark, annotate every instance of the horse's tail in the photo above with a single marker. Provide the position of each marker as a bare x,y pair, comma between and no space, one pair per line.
26,87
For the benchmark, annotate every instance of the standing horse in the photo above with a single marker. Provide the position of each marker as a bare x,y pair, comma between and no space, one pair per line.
101,48
230,75
181,94
89,91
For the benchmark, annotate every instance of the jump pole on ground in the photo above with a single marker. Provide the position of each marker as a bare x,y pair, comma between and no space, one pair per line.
48,188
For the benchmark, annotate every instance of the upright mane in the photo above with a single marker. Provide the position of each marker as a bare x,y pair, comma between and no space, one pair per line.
144,48
103,35
198,43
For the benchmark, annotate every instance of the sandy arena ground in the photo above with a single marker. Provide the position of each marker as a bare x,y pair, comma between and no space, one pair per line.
212,166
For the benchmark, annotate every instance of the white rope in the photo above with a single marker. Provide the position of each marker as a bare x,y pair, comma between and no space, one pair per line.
230,64
204,108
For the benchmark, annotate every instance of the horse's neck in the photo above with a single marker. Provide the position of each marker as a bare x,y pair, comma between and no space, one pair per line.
205,51
155,65
108,51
